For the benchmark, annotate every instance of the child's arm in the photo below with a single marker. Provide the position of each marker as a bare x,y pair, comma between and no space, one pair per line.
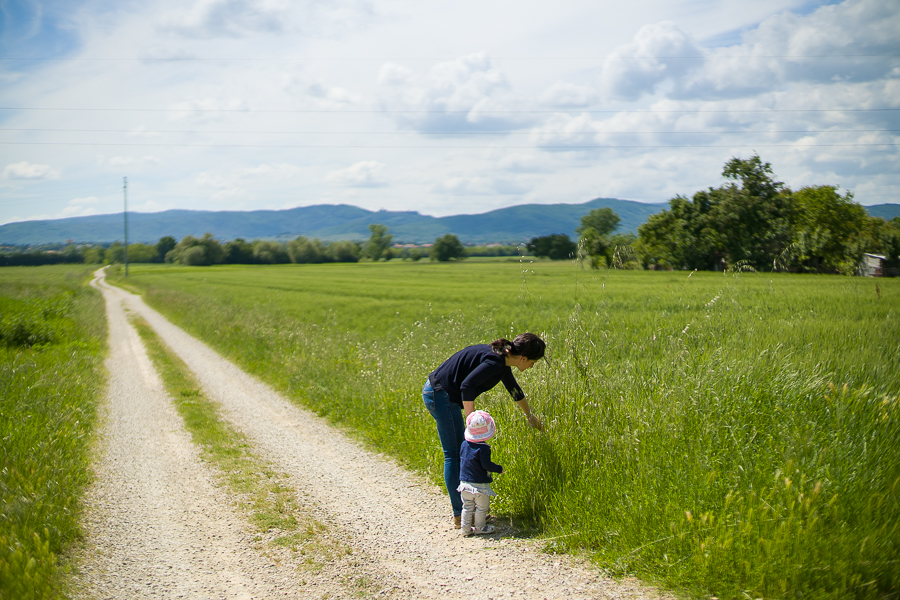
485,457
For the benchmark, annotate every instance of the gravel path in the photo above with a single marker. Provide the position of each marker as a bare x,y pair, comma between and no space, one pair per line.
158,526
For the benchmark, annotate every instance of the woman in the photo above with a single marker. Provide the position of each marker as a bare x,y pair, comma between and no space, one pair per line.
453,387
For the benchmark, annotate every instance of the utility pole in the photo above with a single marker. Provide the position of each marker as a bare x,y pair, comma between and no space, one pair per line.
125,196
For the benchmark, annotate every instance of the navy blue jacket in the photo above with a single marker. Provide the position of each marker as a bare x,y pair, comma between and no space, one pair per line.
475,464
472,371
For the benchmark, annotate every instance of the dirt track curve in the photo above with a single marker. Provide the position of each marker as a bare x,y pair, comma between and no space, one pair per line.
159,527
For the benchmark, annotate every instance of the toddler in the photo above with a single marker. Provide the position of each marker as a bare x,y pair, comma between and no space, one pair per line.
475,468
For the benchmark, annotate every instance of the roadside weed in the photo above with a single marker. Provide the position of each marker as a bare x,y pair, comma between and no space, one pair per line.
52,339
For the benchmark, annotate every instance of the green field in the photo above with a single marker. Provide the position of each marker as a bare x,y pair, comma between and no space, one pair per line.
52,336
733,435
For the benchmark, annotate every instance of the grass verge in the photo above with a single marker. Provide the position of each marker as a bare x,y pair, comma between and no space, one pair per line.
52,341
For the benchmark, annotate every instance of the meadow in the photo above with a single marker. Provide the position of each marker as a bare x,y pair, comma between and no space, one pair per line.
52,339
732,435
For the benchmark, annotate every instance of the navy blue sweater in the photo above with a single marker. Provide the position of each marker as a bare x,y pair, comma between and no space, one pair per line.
472,371
475,464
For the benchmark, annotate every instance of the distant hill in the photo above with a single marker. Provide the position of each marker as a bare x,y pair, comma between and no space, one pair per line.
885,211
342,222
328,222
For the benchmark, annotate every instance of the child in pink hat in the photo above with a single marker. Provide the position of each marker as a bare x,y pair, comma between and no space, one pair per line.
475,468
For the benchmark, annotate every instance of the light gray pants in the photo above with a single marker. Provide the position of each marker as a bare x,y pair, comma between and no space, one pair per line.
476,499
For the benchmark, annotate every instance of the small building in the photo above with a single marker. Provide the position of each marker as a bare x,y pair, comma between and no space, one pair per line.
872,265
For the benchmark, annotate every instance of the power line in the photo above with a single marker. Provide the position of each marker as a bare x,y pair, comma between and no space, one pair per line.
449,112
422,147
444,59
484,132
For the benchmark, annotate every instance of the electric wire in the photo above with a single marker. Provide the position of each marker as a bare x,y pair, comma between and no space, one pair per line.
481,132
441,147
447,112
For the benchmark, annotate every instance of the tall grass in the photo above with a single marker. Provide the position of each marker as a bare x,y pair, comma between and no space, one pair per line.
52,334
728,435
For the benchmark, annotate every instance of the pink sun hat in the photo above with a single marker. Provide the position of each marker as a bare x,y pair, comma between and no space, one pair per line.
480,427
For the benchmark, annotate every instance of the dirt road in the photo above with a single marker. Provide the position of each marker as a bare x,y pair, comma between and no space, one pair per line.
159,527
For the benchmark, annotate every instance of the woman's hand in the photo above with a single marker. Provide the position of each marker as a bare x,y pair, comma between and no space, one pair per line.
535,422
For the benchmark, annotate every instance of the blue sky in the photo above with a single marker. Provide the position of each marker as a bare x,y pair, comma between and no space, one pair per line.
460,108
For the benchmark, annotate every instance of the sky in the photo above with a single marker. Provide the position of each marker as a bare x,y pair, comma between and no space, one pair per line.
442,108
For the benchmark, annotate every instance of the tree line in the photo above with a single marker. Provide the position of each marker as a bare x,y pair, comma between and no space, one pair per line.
207,250
752,221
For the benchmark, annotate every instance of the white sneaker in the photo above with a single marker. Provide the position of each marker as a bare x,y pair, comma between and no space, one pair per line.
484,530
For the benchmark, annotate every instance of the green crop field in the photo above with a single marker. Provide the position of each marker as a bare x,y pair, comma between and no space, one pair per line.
732,435
52,337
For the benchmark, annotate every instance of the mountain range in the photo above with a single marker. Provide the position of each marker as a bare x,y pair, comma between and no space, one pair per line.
329,222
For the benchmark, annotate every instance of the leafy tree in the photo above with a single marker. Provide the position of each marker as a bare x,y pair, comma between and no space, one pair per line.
194,256
379,242
416,254
603,220
594,232
747,220
556,246
492,250
115,253
622,251
197,252
447,247
306,251
755,219
163,246
267,252
141,253
829,229
93,255
344,251
238,252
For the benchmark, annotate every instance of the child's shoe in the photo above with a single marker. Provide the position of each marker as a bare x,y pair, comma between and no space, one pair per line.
483,531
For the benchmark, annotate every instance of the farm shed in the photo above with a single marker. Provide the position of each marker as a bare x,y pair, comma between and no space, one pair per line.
872,265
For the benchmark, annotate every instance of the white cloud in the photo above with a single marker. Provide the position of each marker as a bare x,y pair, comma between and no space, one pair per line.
366,173
80,207
850,42
131,161
568,95
391,74
272,171
228,18
480,186
466,94
27,170
563,131
659,53
211,19
524,163
205,109
332,96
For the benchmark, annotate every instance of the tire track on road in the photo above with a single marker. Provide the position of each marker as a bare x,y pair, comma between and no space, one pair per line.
157,526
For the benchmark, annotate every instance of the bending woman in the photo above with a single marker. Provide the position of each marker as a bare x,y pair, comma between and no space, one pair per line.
453,387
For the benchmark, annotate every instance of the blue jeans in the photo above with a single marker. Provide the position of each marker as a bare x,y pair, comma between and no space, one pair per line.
450,427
